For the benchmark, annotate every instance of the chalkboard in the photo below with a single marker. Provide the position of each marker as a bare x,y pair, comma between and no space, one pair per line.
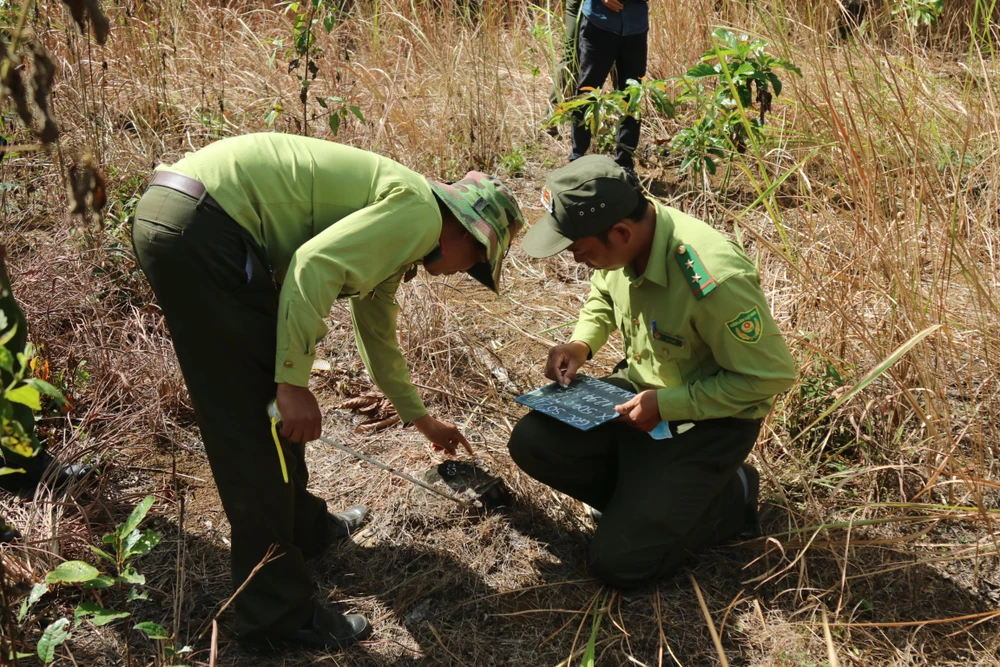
586,403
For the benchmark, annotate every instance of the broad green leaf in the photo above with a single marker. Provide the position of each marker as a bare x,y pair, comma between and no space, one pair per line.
775,83
103,554
10,471
334,123
53,636
97,614
103,581
152,630
136,517
72,572
873,375
43,387
25,395
37,591
3,316
134,594
357,112
702,70
6,336
6,360
130,576
147,541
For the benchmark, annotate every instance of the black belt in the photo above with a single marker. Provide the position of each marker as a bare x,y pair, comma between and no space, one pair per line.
188,186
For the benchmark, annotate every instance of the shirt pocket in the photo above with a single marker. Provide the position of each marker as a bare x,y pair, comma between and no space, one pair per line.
670,357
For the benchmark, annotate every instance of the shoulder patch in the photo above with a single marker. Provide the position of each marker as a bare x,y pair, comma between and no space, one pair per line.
699,279
746,327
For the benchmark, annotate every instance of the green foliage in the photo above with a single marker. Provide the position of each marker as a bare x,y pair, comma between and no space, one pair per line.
514,162
919,12
20,389
604,112
54,635
743,73
125,543
303,53
339,108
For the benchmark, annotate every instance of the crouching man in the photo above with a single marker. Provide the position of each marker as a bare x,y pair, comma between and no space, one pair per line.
702,351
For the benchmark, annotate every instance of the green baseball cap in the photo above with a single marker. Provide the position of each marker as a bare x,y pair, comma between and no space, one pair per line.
489,211
586,197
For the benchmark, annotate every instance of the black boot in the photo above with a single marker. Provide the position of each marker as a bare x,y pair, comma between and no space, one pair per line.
326,630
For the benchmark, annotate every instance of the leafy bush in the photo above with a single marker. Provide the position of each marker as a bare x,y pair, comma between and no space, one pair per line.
744,73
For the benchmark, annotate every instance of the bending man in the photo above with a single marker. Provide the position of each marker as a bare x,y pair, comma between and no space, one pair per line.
247,243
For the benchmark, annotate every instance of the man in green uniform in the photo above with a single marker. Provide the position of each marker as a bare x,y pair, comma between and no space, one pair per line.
702,351
247,243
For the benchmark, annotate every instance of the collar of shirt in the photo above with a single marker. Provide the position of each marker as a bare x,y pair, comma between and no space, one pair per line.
656,267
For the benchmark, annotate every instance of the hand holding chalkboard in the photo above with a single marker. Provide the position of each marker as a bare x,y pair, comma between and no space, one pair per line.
587,402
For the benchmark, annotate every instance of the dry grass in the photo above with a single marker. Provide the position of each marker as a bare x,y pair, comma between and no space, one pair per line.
882,547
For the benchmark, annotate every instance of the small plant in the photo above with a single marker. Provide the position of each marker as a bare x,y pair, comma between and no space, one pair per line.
919,12
604,112
303,54
745,73
514,162
123,545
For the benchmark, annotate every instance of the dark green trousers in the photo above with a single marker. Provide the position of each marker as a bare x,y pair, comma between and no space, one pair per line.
20,413
661,500
220,305
564,76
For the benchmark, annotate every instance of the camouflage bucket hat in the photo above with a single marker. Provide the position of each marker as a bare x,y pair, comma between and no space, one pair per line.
489,211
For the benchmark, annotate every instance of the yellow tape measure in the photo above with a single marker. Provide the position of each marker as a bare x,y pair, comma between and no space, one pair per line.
272,412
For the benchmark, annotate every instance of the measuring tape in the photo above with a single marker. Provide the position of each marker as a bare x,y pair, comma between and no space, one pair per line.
272,412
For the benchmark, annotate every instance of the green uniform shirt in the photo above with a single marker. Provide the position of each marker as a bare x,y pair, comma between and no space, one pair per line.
334,221
715,350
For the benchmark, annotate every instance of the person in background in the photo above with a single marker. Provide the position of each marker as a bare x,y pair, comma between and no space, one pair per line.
612,39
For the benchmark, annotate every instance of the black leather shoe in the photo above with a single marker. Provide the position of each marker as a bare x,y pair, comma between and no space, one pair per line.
751,518
329,630
338,527
595,514
344,523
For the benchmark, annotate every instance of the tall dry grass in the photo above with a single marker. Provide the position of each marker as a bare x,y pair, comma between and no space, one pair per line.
874,220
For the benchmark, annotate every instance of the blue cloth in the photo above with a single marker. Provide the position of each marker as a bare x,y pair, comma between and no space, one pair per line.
633,19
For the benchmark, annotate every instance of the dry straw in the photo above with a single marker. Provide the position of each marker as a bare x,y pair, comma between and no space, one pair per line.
871,212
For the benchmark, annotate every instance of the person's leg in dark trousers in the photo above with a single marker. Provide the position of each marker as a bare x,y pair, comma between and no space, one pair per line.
672,498
581,464
564,77
629,64
598,50
223,328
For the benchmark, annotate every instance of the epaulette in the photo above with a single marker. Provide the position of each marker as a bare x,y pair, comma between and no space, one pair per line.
699,279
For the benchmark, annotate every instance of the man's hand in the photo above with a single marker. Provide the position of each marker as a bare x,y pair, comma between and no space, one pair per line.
443,435
642,411
301,420
564,360
613,5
